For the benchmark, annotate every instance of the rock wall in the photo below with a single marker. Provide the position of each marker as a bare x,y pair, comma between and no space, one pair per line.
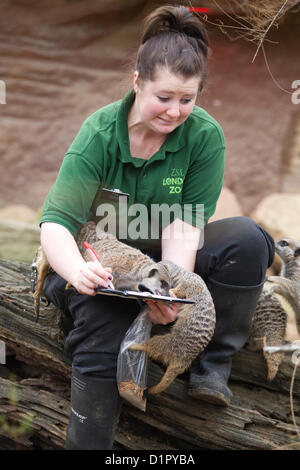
60,60
63,59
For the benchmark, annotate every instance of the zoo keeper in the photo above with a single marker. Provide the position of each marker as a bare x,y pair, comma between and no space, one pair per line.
156,145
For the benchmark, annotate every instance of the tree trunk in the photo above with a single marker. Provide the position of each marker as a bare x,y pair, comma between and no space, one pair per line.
260,416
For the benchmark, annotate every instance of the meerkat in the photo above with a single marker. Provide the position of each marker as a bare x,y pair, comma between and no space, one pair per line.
195,323
192,331
131,269
268,329
287,283
279,301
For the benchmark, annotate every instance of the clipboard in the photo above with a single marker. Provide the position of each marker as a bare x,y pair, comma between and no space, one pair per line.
131,294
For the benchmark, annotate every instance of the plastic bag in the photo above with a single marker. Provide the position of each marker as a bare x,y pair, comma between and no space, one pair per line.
132,365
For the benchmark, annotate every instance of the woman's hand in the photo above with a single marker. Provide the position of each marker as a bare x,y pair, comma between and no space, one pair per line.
91,275
161,312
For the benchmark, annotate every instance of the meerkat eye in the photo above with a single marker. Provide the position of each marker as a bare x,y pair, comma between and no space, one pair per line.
297,252
164,285
283,243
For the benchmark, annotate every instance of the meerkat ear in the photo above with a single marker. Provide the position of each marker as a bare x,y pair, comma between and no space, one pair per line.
153,272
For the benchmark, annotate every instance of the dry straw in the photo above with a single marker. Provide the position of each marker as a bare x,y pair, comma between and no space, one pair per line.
252,19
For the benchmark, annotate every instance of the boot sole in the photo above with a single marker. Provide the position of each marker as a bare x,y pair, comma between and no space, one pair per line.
209,396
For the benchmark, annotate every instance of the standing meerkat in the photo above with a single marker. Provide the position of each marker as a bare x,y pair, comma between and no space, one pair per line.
268,329
195,324
287,283
279,301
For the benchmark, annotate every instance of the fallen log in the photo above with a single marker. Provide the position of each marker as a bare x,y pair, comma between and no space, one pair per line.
259,418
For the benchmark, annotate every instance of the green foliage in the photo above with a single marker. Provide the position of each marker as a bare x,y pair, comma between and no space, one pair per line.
18,243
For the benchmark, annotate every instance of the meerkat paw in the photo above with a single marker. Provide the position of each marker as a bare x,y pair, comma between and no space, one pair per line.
255,344
273,362
279,281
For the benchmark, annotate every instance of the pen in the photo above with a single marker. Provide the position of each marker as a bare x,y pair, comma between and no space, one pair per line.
95,258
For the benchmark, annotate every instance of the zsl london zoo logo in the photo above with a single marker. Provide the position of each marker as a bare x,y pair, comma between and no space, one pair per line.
174,181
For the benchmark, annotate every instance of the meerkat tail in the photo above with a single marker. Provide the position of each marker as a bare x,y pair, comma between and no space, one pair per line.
169,376
138,347
42,273
36,297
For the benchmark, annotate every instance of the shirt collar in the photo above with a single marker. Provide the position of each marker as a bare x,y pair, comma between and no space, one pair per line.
173,143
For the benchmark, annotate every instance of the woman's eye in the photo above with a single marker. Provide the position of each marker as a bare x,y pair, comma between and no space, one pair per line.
164,99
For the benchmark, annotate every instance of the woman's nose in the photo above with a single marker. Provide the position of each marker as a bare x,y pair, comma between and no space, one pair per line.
174,110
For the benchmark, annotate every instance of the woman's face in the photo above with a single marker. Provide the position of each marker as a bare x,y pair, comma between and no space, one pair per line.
166,102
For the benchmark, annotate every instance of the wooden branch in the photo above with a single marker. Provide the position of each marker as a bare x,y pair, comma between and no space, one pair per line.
40,343
258,418
48,425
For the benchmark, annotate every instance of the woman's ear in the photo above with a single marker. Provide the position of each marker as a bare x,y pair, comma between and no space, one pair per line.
136,81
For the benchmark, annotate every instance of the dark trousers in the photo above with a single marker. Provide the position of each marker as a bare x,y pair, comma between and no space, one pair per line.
236,252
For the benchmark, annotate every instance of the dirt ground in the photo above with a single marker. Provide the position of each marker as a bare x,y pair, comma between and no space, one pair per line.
56,75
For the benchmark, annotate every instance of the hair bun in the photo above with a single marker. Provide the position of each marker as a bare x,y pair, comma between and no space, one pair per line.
173,19
169,32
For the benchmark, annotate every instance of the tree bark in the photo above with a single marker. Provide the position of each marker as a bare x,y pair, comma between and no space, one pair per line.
259,417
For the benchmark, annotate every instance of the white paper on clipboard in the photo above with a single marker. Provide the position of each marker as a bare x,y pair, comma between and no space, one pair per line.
130,294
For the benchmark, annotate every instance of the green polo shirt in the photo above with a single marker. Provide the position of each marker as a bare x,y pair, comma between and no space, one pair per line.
186,171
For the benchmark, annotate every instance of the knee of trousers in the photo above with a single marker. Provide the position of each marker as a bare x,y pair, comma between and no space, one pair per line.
236,251
100,324
54,289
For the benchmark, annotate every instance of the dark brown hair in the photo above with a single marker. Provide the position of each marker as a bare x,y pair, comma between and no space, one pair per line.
175,38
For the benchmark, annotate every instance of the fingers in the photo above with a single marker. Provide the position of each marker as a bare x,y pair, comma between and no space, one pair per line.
161,312
155,314
97,274
93,275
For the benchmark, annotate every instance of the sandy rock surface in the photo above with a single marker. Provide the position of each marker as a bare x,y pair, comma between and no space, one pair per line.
227,206
63,60
279,213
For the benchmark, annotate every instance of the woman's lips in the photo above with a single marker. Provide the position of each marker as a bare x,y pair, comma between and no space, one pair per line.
167,122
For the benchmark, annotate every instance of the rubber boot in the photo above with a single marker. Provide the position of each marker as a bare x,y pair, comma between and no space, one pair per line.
95,411
209,373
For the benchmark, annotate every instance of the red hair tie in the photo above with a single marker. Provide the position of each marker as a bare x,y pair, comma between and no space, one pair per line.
199,10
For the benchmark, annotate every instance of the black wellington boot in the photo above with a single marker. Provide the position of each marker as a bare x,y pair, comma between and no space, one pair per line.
95,411
210,371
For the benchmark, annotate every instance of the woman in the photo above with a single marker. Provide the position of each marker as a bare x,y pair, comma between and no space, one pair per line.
158,147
